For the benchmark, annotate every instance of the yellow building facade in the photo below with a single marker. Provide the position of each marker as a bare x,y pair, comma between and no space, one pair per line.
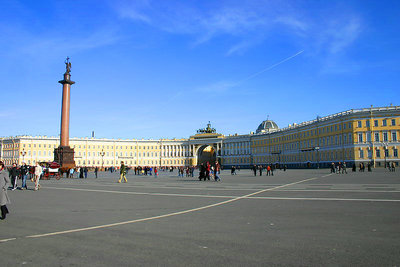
354,136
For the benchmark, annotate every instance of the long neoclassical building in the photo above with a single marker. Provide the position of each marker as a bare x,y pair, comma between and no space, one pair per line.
357,135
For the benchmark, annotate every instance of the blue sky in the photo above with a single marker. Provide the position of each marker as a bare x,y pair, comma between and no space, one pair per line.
163,69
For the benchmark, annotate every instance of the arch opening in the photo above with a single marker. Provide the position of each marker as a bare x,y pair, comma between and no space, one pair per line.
206,154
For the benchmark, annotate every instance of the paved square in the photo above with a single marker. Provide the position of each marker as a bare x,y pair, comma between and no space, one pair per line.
294,218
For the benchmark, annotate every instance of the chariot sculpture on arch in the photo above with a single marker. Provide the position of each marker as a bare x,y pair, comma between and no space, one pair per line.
207,130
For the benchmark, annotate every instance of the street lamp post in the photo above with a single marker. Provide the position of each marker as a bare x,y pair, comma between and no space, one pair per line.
23,153
102,153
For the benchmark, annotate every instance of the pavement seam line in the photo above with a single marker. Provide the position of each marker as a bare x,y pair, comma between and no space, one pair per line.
232,197
161,216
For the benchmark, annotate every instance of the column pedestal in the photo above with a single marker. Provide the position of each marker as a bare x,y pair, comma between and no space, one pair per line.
64,155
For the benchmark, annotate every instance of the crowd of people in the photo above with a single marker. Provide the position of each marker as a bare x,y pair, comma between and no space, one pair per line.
22,173
269,169
208,171
81,172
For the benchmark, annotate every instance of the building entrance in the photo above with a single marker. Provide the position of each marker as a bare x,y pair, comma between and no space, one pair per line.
206,154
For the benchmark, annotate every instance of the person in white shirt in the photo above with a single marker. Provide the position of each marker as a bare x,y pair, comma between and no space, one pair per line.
38,173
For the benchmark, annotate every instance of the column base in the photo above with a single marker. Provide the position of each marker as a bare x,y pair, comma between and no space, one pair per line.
64,155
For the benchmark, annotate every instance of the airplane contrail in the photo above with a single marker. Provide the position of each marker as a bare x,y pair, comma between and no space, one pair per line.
269,68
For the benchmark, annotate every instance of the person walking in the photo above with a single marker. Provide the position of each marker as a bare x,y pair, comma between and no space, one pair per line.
202,172
81,172
122,172
155,172
24,175
344,166
85,171
233,170
217,171
14,176
333,167
38,173
255,170
96,170
208,170
260,168
4,183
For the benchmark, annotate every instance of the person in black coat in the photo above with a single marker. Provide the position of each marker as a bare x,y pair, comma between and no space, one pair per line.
24,175
14,173
202,173
254,170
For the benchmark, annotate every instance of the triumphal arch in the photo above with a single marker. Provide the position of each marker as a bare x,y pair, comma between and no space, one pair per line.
206,146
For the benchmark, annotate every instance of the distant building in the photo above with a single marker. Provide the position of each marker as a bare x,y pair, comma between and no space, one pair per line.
357,135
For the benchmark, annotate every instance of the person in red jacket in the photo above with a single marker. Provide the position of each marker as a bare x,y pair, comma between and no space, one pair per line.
208,169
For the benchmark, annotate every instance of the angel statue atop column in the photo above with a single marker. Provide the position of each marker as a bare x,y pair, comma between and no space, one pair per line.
68,65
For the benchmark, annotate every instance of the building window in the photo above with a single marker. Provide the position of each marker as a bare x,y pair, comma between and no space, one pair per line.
360,137
386,153
359,124
361,154
395,153
349,125
385,137
394,136
368,137
367,123
376,137
376,123
384,123
378,153
393,122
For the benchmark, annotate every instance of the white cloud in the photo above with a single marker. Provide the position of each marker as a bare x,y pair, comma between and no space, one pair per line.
343,35
293,23
248,24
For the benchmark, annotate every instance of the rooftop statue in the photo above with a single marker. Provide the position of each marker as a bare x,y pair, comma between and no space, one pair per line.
208,129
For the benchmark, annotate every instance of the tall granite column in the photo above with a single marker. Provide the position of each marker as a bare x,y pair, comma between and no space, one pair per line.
64,154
